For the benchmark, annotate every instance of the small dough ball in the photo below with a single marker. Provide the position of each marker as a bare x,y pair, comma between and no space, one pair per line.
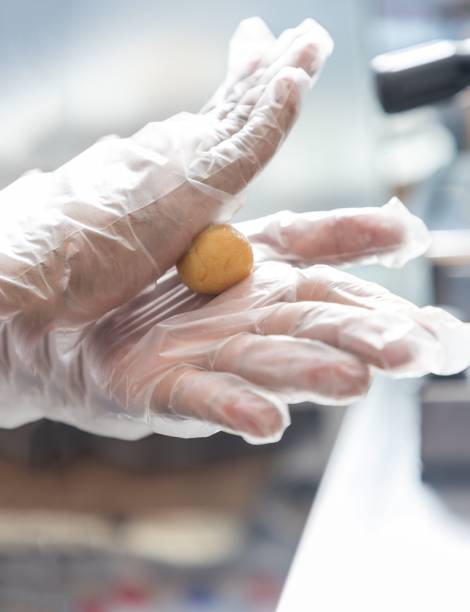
218,258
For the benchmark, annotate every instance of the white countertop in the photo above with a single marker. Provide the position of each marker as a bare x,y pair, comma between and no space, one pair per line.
377,539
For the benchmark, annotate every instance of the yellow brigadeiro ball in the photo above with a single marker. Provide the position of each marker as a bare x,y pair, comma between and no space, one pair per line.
218,258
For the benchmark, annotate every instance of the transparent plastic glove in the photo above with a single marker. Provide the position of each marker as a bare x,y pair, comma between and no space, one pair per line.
183,364
390,236
79,241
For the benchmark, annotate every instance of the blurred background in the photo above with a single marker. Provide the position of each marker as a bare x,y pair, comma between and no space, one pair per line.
71,74
93,524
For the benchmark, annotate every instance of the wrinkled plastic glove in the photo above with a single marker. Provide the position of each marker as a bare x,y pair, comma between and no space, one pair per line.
183,364
93,235
79,241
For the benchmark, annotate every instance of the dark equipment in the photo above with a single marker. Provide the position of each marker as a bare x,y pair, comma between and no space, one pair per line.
422,74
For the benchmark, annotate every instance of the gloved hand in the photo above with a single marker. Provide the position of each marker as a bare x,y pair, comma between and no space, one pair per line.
86,339
79,241
183,364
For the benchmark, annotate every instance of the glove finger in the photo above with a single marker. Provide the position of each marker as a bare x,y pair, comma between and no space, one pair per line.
307,50
327,284
392,342
387,335
452,336
239,104
248,44
230,165
228,401
305,54
389,235
247,60
289,35
330,305
299,369
305,47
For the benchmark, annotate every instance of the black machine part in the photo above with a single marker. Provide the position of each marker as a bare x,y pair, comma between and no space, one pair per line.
423,74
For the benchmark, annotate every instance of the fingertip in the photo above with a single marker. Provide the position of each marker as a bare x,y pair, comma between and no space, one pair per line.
321,36
407,348
257,418
338,377
416,236
253,29
289,85
396,356
353,380
309,59
453,336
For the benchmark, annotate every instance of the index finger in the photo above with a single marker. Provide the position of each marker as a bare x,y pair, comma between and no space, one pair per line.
389,235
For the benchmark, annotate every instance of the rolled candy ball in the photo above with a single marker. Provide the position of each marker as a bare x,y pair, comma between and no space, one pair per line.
218,258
